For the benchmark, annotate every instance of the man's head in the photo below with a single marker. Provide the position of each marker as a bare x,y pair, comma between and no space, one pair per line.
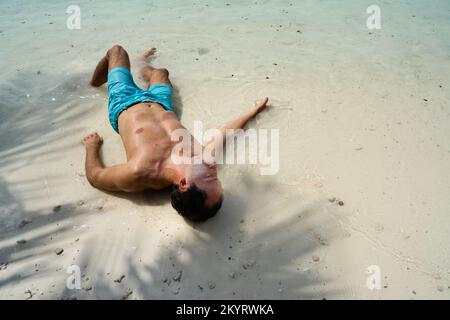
198,195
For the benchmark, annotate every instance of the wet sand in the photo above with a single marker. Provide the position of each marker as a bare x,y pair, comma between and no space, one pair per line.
364,152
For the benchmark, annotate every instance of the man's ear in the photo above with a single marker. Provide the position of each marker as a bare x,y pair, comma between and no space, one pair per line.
184,185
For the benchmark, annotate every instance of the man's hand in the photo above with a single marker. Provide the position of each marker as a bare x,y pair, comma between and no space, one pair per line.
262,105
115,178
92,140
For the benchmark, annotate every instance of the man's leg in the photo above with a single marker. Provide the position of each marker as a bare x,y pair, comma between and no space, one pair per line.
114,58
150,74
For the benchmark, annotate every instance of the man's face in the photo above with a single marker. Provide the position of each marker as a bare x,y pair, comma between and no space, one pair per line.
204,176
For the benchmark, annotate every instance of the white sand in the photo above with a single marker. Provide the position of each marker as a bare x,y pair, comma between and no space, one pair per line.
349,103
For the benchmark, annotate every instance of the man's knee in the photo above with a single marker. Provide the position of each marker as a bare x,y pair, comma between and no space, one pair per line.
115,50
161,73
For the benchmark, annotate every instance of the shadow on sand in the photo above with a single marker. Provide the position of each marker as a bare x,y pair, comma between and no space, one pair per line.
260,246
34,111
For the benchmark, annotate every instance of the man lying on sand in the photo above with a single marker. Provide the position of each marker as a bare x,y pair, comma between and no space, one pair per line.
145,120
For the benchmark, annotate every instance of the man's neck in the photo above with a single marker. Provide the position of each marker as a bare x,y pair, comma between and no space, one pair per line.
173,172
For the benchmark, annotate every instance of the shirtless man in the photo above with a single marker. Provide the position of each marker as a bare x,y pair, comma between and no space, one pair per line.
145,120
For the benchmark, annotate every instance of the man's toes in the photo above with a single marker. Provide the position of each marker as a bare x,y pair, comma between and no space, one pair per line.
149,52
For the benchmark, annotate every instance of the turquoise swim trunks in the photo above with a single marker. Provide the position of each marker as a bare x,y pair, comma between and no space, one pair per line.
124,93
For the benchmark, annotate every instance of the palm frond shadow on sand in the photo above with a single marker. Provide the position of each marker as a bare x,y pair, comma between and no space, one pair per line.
34,111
259,246
29,236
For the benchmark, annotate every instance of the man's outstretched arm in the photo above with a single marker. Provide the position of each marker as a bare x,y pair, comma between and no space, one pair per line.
236,124
241,121
115,178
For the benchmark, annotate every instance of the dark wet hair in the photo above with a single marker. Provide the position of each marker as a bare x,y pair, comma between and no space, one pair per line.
191,204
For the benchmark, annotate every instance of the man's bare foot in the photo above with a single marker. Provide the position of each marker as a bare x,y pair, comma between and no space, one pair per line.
144,56
92,140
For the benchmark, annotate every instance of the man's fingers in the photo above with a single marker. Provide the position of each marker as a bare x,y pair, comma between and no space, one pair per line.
262,104
93,137
263,101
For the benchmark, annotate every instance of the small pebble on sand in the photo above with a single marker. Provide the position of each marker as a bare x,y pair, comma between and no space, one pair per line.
126,295
248,264
177,277
59,251
57,208
316,258
211,285
119,280
23,223
21,241
87,287
341,203
29,293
